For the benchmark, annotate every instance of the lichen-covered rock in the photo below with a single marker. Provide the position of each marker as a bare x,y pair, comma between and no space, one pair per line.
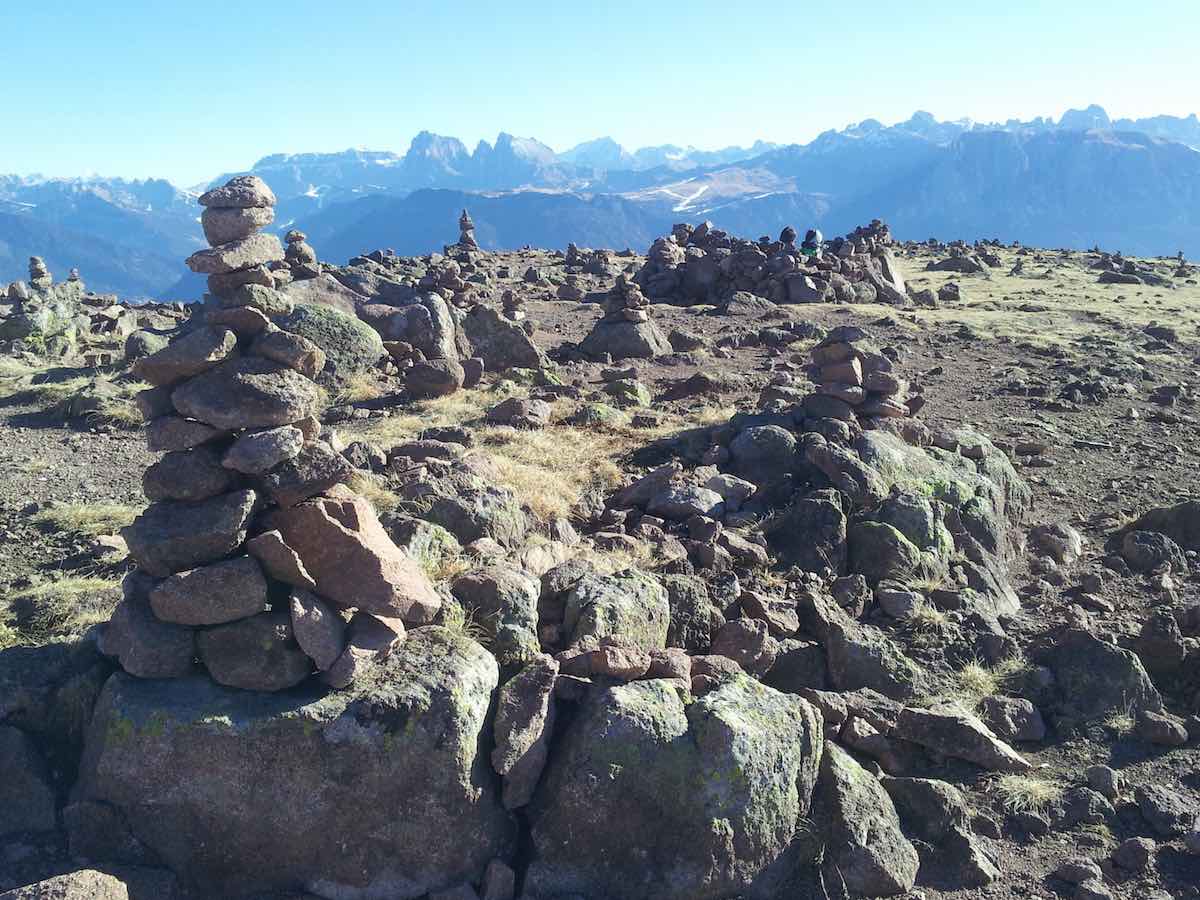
504,601
350,346
631,604
382,790
864,845
1096,679
525,713
86,884
647,795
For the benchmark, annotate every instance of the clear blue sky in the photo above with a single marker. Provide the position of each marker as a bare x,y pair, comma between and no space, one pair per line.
186,90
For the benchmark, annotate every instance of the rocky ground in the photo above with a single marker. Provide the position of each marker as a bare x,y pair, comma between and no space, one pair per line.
1089,390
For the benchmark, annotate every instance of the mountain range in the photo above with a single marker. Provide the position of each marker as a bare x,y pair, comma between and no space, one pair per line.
1084,179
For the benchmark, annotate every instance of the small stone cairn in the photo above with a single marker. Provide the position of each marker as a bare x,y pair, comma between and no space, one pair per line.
300,257
253,557
39,276
855,380
513,305
625,330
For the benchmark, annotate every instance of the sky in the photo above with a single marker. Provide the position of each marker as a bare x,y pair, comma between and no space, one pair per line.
186,91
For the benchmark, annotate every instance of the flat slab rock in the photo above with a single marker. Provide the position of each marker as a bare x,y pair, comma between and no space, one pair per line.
384,790
172,537
248,393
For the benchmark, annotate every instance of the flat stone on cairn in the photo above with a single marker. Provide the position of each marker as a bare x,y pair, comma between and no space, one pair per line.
253,557
625,331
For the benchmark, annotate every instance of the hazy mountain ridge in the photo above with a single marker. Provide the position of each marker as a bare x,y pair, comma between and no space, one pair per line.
1127,184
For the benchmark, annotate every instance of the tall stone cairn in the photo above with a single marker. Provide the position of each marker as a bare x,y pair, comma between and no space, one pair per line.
254,558
466,232
855,380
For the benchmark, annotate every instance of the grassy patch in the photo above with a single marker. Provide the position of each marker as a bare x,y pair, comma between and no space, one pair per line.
86,518
1025,793
460,620
379,496
65,605
359,388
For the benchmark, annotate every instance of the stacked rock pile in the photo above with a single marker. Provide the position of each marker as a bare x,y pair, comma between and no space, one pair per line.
300,257
513,305
253,556
703,264
466,232
625,330
855,380
39,275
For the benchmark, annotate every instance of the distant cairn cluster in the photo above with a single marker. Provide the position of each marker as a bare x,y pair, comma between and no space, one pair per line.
253,557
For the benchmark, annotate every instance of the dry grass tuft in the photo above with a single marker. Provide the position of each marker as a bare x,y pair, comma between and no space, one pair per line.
1025,793
66,605
926,617
460,620
359,388
86,518
1123,721
379,496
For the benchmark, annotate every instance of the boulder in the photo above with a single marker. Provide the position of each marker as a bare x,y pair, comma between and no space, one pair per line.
258,451
243,253
1096,679
191,475
86,884
650,795
239,192
351,347
865,847
224,224
501,344
195,352
951,731
255,654
504,601
319,629
631,604
383,790
524,722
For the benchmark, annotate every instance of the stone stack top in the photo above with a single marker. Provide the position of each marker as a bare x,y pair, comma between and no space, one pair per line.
854,379
253,556
626,302
233,219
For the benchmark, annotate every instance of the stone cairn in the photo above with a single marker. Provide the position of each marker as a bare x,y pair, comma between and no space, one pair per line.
513,305
625,330
253,557
39,275
855,381
300,257
466,232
